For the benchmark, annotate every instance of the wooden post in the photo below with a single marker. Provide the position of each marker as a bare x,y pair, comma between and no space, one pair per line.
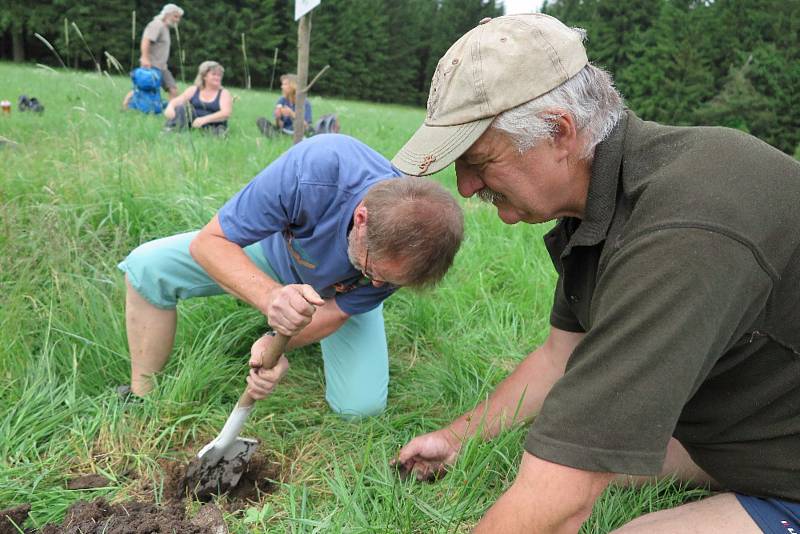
303,45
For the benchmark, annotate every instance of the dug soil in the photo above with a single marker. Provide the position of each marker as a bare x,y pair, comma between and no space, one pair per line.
136,517
256,480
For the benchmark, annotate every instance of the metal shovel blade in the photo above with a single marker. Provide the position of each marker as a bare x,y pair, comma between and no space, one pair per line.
216,469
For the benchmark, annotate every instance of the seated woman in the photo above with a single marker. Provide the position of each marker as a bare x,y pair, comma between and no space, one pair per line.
285,110
206,104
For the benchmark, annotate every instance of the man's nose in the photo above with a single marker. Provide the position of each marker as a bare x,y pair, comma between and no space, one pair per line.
468,184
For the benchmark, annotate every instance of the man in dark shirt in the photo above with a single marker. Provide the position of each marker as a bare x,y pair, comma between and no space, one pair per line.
674,347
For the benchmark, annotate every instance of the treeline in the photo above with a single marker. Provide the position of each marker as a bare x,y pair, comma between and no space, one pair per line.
729,62
378,50
717,62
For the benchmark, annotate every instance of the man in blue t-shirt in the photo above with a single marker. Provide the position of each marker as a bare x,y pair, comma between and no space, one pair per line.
316,242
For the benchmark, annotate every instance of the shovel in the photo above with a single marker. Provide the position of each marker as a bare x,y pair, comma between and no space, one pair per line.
219,465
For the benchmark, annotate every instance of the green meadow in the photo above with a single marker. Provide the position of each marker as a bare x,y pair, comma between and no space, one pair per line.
84,183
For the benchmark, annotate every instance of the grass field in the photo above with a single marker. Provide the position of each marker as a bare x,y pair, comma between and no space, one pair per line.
86,183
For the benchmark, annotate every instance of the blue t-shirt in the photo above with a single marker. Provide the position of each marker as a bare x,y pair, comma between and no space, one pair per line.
288,122
301,207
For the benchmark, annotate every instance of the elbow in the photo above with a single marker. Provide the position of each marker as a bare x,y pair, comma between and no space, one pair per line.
574,522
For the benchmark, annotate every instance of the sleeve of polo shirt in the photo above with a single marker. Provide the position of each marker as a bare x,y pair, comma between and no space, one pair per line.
561,315
667,306
268,204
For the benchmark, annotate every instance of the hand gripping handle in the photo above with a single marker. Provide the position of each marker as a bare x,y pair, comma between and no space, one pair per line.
269,358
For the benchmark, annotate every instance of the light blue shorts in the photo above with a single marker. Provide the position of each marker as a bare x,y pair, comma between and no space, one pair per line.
355,357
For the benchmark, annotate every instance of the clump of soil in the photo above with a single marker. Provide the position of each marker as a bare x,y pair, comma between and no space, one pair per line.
256,480
13,516
88,482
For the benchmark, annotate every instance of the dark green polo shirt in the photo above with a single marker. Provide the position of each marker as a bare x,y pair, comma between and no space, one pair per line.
685,276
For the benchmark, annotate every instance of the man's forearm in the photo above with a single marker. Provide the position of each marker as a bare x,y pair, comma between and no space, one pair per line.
232,269
144,48
520,396
327,320
546,498
517,398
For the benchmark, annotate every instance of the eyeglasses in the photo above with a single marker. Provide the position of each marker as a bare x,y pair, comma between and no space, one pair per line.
369,276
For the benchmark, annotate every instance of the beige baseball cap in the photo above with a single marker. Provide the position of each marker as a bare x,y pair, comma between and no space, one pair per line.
498,65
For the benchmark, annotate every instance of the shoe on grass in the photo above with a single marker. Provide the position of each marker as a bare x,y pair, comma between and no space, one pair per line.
34,105
126,396
266,127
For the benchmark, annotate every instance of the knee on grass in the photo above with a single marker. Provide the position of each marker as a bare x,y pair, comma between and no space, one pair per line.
353,409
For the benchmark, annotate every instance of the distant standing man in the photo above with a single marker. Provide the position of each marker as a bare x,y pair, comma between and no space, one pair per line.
674,347
156,42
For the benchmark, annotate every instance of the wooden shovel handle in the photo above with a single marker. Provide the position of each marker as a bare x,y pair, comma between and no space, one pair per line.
269,358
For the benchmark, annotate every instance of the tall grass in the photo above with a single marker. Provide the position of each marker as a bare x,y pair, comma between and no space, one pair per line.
87,183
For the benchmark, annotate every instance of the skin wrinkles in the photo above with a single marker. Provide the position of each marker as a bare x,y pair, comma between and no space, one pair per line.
544,183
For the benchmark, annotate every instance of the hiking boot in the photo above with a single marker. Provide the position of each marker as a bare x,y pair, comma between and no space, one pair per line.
266,127
126,396
34,105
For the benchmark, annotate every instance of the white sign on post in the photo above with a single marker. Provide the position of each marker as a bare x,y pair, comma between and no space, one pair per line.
301,7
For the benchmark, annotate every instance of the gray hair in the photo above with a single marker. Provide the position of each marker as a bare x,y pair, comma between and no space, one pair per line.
589,96
167,9
203,69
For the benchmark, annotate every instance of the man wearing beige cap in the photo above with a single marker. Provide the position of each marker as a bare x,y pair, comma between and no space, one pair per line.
674,347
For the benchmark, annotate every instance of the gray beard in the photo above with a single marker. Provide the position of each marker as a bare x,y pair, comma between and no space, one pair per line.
351,250
490,196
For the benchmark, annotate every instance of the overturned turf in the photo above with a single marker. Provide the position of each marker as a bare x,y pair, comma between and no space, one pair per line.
257,479
135,517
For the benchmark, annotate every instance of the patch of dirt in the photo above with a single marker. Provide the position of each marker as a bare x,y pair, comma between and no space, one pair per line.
135,517
100,517
88,482
13,516
256,480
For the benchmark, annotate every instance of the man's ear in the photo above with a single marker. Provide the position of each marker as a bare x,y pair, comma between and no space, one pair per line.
565,133
360,215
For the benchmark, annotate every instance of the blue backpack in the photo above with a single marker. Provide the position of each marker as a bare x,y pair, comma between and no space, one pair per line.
146,90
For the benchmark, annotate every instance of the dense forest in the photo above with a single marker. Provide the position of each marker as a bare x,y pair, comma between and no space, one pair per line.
728,62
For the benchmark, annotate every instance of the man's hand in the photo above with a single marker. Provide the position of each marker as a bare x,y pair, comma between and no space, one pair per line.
284,111
290,308
428,456
260,381
198,122
145,62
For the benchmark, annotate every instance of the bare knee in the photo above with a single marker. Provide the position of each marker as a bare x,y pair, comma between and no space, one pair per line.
720,513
